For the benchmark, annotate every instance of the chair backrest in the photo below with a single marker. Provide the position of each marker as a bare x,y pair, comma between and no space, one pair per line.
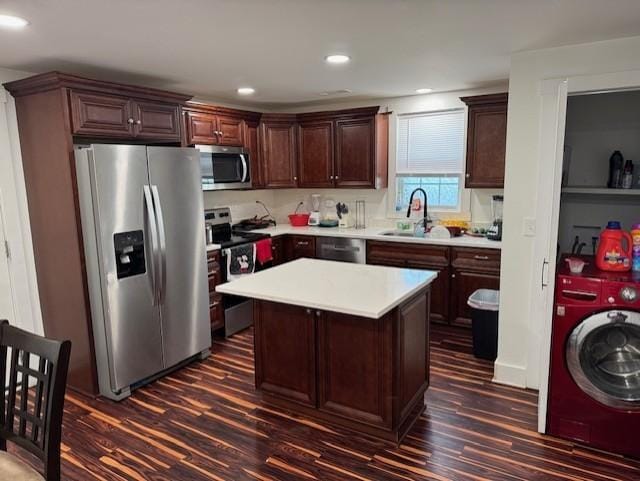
31,416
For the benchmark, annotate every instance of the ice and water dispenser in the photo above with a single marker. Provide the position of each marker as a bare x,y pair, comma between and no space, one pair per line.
129,251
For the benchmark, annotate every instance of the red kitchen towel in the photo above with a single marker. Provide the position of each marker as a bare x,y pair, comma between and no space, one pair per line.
263,250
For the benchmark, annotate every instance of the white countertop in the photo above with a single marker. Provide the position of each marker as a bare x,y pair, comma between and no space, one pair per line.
375,233
356,289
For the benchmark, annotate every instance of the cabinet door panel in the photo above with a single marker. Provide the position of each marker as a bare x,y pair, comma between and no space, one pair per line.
231,132
298,246
486,140
285,351
440,291
279,154
200,128
315,154
277,248
463,284
156,120
101,115
355,148
355,377
251,143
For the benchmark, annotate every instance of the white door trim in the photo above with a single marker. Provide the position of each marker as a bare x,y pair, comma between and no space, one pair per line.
553,99
16,216
5,252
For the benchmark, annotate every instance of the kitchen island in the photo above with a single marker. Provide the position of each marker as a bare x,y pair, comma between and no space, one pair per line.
344,343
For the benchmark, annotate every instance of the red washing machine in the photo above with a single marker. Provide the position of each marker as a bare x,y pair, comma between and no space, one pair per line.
594,388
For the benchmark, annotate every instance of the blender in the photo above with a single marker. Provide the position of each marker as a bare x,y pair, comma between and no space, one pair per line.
495,231
314,216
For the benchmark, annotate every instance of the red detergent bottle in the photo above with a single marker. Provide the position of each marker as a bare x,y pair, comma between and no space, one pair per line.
612,255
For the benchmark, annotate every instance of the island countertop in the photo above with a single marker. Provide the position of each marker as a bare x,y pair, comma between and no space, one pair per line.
357,289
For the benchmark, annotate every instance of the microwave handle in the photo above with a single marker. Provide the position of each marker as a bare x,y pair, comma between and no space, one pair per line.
244,168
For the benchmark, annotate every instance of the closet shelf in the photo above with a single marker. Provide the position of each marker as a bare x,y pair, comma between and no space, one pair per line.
600,191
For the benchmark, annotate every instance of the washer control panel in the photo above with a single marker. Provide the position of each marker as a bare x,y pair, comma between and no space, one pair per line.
621,293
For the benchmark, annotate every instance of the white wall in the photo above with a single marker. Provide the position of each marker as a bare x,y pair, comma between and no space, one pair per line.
519,336
26,303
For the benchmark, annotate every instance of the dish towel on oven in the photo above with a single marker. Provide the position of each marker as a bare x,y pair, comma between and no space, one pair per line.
241,260
264,252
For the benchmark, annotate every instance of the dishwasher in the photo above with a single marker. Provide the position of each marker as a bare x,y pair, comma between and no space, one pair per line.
342,249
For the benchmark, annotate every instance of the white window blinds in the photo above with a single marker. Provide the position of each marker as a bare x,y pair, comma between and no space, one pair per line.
431,143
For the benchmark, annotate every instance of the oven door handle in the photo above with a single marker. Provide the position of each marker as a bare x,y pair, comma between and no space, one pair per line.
245,169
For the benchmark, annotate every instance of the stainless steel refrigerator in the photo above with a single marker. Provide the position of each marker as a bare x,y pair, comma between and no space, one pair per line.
145,255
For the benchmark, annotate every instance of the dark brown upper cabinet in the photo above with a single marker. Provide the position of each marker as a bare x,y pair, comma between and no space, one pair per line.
486,140
344,148
212,125
355,153
252,144
278,139
96,114
230,131
100,115
315,154
156,120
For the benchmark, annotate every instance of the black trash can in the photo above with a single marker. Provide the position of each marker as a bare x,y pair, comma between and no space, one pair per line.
484,323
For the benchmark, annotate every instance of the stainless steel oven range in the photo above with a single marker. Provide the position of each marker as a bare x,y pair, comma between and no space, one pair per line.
238,311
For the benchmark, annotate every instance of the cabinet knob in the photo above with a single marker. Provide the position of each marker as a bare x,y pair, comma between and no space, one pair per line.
130,121
295,178
318,313
336,177
331,177
467,175
453,276
308,310
138,122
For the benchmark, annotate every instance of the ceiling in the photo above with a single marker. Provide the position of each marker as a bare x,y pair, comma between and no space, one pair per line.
211,47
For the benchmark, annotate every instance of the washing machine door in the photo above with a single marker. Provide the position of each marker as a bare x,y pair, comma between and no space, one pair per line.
603,356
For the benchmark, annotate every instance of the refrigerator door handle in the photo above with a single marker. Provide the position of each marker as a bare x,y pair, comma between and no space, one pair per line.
151,216
245,171
163,244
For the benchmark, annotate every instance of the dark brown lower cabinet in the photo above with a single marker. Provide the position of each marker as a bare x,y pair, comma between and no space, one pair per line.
416,256
461,270
352,379
297,246
214,273
463,284
285,351
365,374
277,249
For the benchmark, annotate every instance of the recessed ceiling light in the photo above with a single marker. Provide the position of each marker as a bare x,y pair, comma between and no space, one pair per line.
423,91
337,58
246,90
9,21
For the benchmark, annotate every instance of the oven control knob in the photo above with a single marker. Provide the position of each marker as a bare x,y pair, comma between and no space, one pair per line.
611,300
629,294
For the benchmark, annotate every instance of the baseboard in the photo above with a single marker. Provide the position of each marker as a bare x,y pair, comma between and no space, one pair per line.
509,374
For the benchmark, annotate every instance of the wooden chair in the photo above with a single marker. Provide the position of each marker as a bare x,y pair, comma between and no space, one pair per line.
31,416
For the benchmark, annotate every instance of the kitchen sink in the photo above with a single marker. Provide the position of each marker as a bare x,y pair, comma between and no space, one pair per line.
399,233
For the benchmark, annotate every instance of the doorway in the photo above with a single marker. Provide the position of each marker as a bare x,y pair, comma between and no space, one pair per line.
554,99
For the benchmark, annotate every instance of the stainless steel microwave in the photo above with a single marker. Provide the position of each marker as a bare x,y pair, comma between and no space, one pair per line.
224,167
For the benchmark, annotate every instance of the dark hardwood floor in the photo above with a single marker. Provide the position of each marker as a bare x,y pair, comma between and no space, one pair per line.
206,422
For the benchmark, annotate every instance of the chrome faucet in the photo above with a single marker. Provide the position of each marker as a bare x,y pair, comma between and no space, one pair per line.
425,217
